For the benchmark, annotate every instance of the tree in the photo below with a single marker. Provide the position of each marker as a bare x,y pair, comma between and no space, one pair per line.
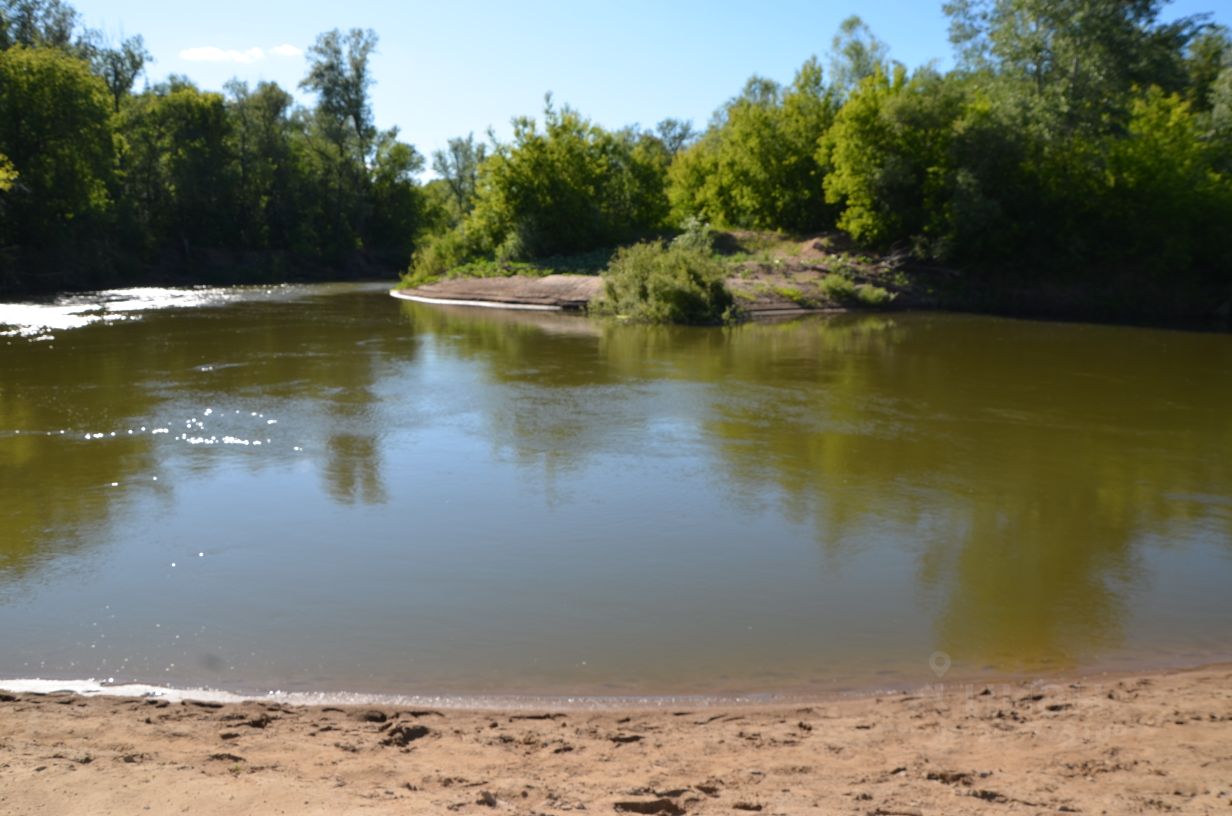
119,65
343,135
1208,54
855,55
756,165
570,187
675,134
458,166
398,204
338,74
260,138
54,128
179,177
1078,58
37,23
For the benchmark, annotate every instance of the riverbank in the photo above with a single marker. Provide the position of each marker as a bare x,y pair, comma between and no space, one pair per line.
1153,743
778,275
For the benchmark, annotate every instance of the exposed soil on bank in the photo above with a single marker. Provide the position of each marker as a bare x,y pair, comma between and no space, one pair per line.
1150,744
771,275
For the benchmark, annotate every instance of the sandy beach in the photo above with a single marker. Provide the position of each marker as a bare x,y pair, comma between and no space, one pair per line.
1153,743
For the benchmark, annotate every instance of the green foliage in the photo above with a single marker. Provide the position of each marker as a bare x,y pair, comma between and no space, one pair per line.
888,153
104,187
855,55
119,65
8,175
338,74
570,187
841,289
838,288
458,167
872,296
695,234
1076,59
653,283
756,166
54,129
1163,203
37,24
178,182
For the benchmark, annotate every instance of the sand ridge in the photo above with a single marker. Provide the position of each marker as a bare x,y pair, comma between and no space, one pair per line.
1158,743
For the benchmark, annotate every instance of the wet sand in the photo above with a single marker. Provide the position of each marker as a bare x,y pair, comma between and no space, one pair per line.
1153,743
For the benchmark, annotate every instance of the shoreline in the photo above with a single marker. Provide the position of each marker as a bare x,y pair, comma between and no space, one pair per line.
1143,742
591,699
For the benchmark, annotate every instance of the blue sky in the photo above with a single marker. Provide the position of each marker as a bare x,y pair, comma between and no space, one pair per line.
448,68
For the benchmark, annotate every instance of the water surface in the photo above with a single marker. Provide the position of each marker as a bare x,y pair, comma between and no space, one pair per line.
323,488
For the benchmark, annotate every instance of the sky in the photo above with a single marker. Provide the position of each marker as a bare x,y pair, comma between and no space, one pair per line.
445,69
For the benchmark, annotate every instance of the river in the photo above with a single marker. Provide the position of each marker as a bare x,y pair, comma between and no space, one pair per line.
322,488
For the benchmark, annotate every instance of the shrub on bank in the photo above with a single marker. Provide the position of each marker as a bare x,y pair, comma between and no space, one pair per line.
841,289
653,283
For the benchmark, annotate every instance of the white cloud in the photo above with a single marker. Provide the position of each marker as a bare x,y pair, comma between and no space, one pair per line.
286,50
210,53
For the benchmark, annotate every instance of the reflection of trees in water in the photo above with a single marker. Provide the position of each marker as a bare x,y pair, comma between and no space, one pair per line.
354,471
55,490
1024,462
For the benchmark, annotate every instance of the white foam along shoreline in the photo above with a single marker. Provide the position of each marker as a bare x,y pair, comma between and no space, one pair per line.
96,688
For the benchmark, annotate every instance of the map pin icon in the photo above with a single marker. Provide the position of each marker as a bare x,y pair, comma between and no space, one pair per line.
940,663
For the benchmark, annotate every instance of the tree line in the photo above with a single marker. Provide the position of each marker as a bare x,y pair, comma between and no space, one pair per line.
102,185
1078,154
1077,146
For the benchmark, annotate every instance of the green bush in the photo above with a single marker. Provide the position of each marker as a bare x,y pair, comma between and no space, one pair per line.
653,283
869,295
696,234
838,288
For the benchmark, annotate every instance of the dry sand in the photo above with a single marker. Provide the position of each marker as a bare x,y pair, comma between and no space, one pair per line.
1150,744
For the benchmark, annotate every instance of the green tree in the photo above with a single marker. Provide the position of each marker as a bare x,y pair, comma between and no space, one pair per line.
675,134
343,136
397,200
37,23
889,153
268,175
1077,59
338,74
570,187
178,167
119,65
55,131
458,166
8,175
855,55
756,165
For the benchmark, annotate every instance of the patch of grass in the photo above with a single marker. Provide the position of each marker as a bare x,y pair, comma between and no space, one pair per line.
796,296
869,295
841,289
653,283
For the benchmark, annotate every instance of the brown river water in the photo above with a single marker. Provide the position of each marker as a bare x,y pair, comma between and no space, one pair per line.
322,488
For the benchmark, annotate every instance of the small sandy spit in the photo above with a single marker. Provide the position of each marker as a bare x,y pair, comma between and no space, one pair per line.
1159,743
